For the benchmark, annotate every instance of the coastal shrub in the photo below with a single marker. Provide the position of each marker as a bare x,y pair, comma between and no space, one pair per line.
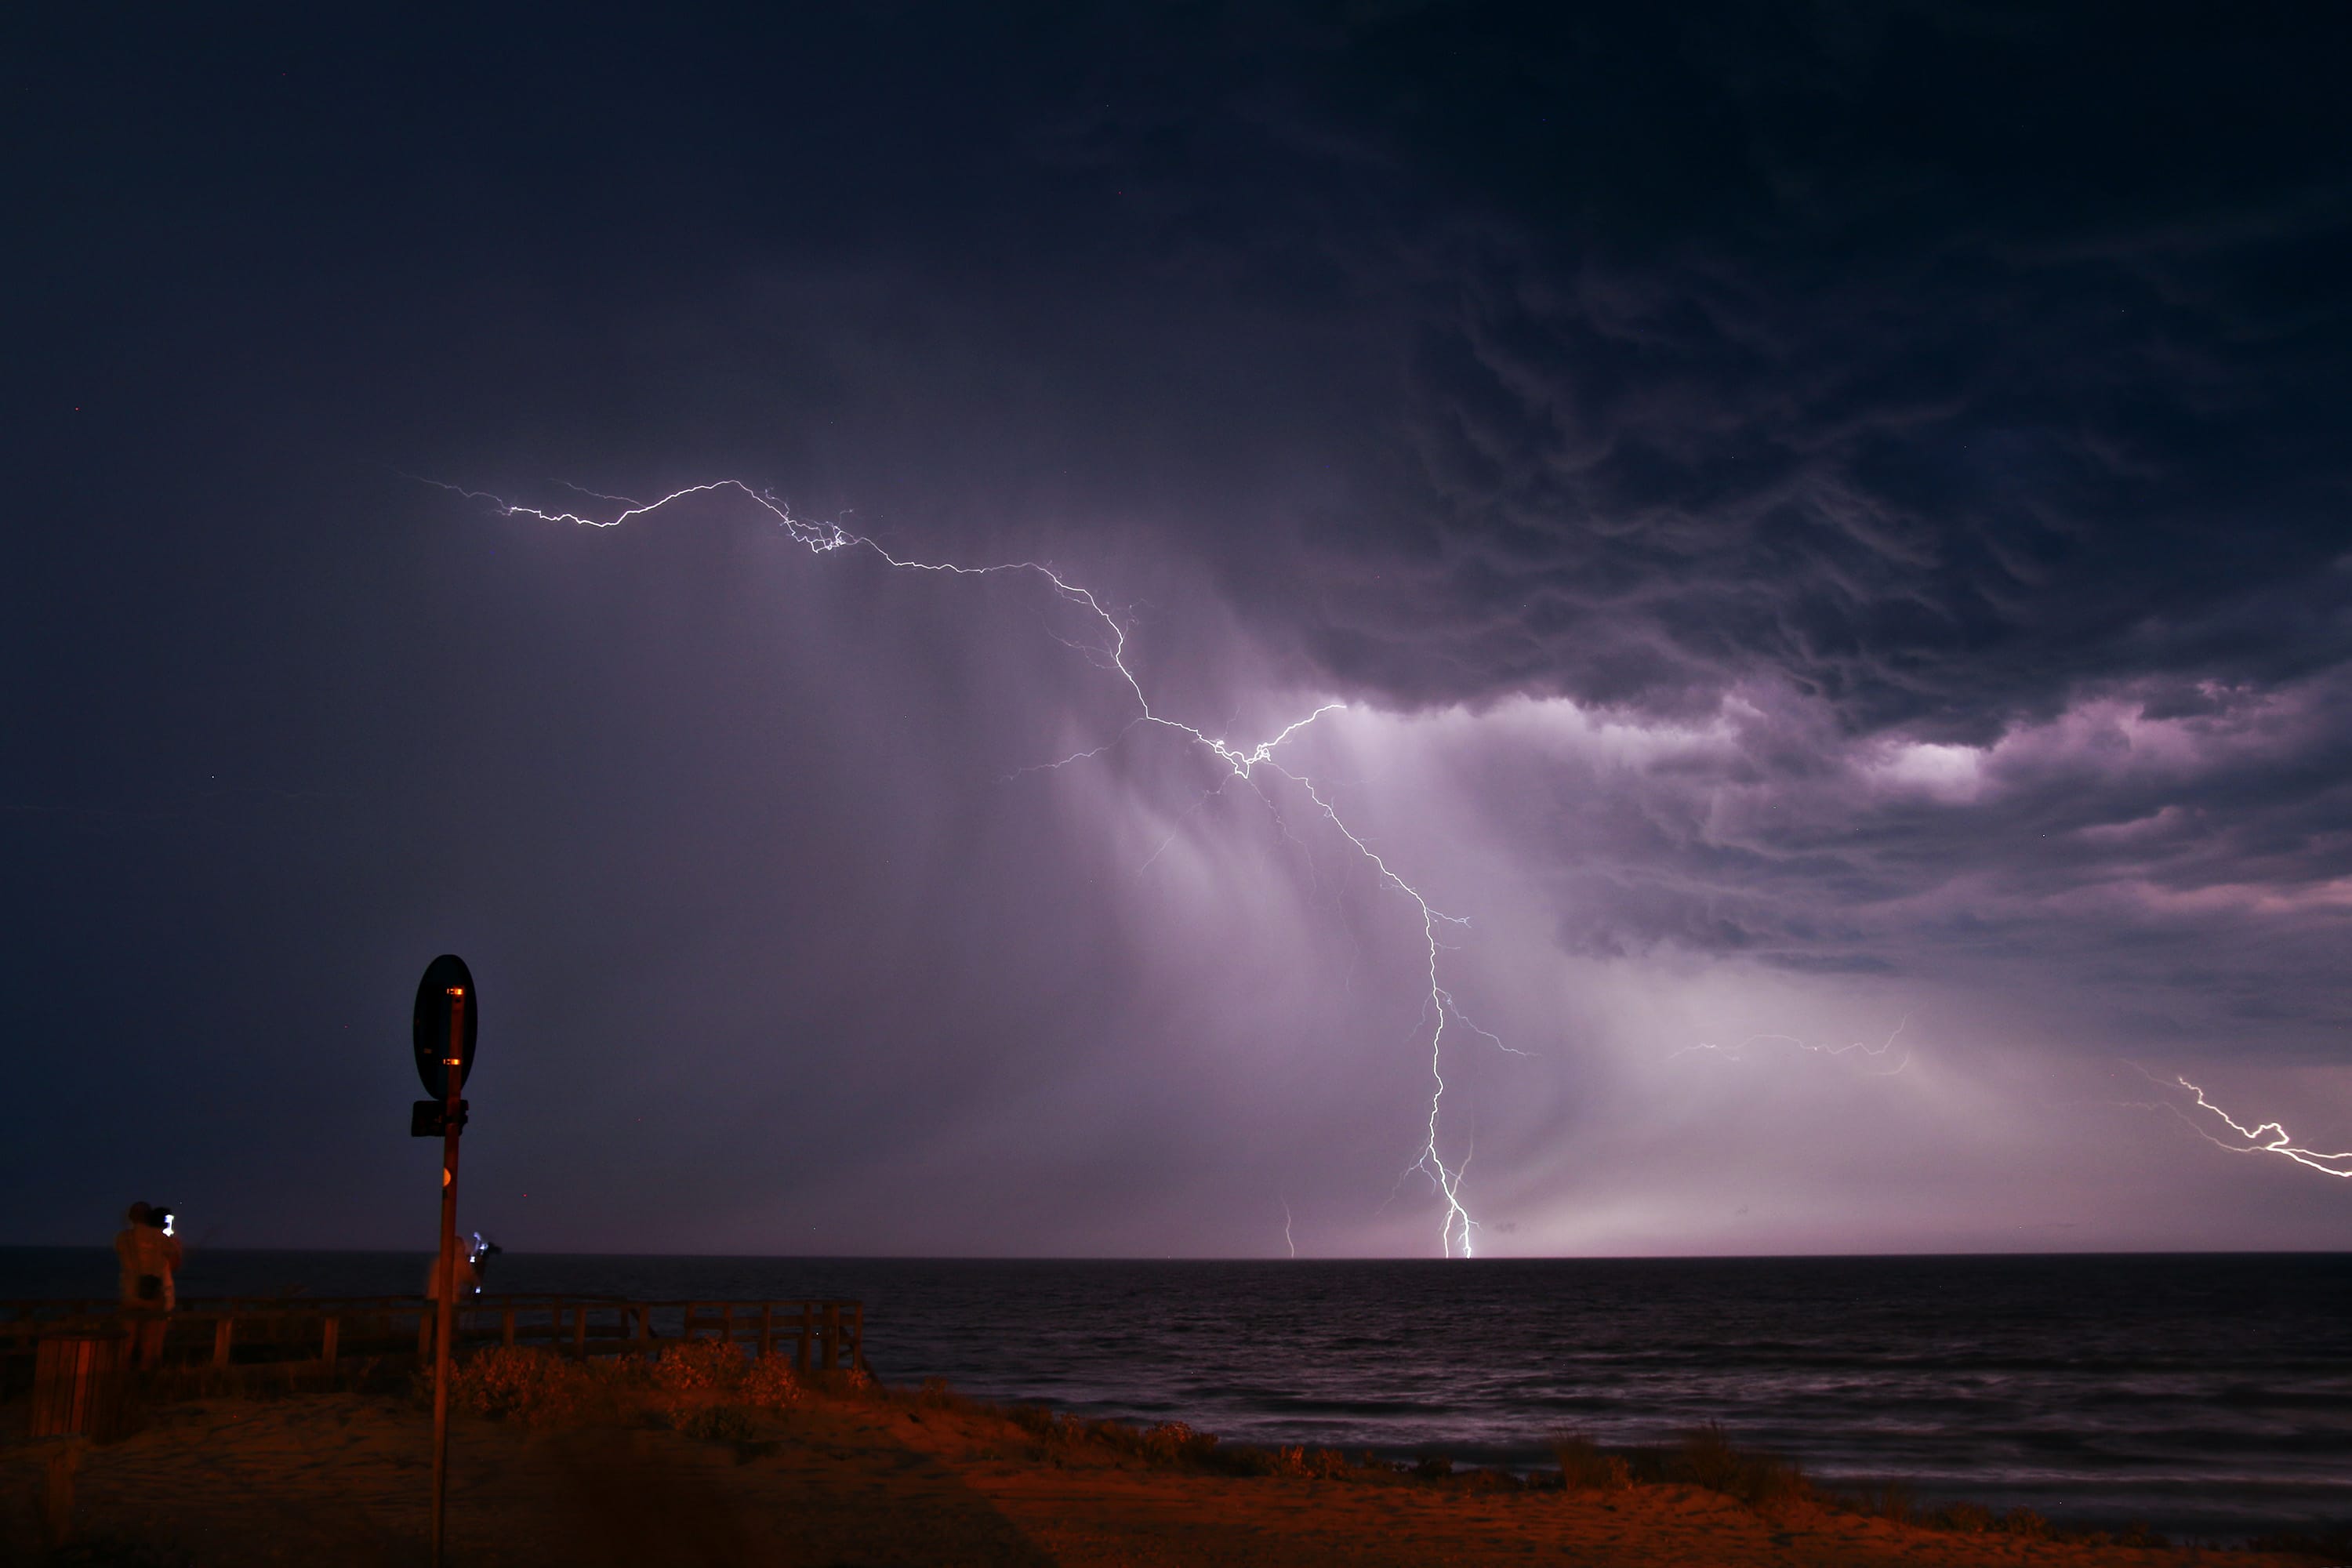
1310,1464
1767,1480
770,1384
2025,1522
533,1385
1706,1458
700,1369
1172,1442
1887,1500
1041,1423
1584,1467
936,1394
853,1379
1116,1435
1433,1467
2141,1534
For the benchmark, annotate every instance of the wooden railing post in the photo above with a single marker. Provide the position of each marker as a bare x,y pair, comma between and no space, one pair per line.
767,1329
328,1336
506,1324
801,1354
224,1332
832,1335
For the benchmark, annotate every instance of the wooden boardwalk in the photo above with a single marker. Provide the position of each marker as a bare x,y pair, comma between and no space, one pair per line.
818,1334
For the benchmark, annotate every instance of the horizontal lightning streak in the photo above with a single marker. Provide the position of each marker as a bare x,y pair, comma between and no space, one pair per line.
2267,1138
1458,1227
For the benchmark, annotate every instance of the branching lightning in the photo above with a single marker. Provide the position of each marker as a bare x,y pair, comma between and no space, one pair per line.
1242,762
2266,1138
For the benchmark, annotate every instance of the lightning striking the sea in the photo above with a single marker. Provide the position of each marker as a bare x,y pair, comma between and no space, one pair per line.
1457,1229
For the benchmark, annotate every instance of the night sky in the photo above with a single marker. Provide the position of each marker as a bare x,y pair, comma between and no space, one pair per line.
1830,524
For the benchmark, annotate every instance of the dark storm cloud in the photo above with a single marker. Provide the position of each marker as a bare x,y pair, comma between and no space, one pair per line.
1935,361
1852,498
1947,373
1935,508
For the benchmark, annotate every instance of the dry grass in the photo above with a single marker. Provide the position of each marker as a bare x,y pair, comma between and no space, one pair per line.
1707,1457
1166,1445
711,1390
1584,1468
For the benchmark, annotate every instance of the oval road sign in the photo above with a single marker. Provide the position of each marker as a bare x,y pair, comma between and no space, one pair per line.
430,1032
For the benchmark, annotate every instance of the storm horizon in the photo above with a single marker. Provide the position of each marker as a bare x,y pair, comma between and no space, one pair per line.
1809,555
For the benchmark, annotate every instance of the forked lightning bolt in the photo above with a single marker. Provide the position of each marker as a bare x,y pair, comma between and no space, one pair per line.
1457,1229
2268,1138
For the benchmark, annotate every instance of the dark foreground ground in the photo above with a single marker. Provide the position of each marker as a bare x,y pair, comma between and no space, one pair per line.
870,1477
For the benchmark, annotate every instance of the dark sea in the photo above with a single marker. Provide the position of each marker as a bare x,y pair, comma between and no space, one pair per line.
2207,1396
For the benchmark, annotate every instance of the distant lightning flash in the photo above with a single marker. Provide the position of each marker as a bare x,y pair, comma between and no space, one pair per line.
1244,763
2268,1138
1876,1053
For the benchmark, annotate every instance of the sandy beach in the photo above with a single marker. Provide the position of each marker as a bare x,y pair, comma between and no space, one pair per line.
874,1477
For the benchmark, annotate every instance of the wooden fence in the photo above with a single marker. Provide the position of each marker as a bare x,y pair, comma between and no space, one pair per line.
819,1335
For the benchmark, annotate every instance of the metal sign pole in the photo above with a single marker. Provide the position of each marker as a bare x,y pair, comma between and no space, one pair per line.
445,1276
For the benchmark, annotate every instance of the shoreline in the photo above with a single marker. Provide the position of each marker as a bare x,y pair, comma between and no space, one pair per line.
2092,1394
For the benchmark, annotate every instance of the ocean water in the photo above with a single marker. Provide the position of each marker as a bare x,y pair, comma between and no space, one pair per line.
2207,1396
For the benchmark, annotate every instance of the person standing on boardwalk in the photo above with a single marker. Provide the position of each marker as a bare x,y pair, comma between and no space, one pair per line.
149,1259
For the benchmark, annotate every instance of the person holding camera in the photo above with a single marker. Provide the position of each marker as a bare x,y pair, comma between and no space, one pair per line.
150,1257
